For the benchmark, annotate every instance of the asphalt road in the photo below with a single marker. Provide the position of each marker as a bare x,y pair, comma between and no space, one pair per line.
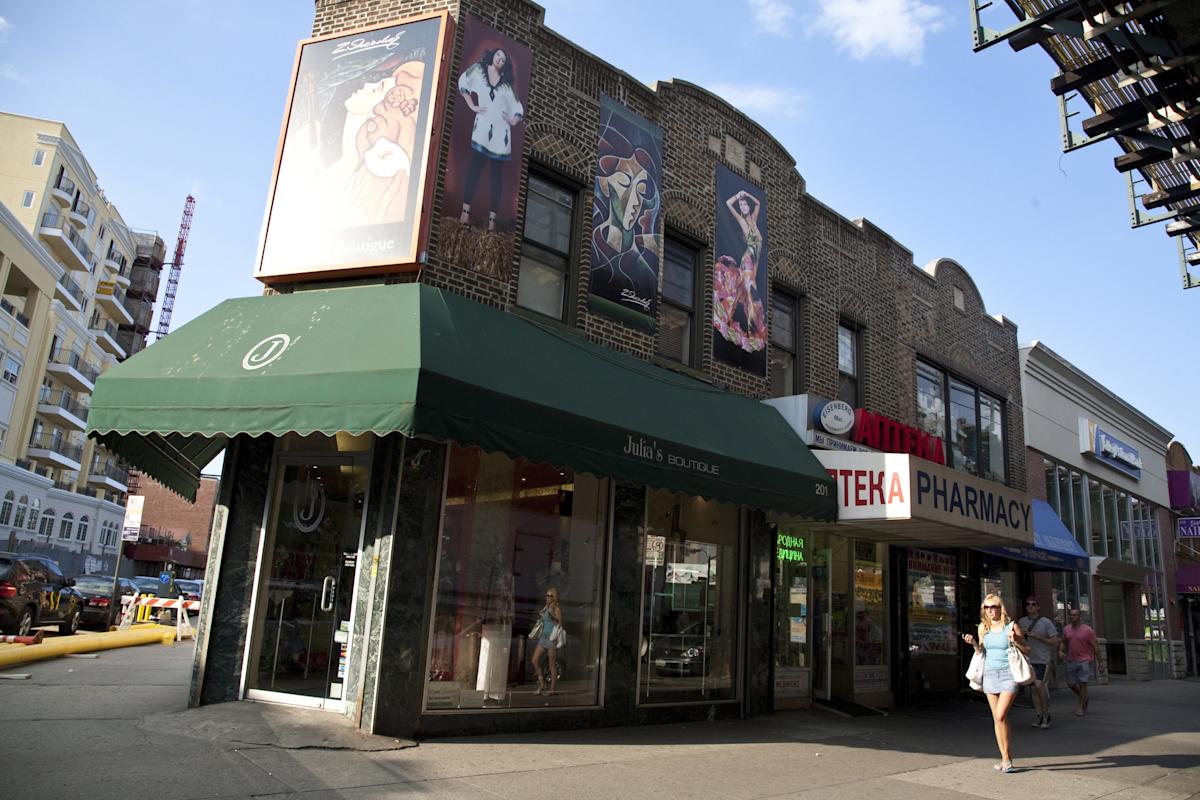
116,726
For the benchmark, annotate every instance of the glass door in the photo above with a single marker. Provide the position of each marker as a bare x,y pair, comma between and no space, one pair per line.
300,641
821,615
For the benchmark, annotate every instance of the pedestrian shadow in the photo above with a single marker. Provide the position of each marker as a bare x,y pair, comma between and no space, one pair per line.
1171,761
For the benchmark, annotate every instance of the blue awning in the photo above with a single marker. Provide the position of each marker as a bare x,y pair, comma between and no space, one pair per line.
1053,545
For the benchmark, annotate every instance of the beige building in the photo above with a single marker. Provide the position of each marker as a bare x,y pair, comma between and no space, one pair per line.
65,263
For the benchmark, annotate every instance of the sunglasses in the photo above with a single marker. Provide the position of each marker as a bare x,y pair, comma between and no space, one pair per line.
991,608
1031,604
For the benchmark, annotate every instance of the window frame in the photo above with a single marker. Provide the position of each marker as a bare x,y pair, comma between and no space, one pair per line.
695,341
855,330
949,378
797,337
572,254
39,157
28,198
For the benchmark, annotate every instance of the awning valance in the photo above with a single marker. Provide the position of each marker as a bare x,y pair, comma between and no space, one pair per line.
423,362
1053,545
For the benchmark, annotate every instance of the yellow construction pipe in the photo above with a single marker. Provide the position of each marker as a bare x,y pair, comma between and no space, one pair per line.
13,654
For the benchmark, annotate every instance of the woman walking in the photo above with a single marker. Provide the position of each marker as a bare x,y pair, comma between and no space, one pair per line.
550,616
996,635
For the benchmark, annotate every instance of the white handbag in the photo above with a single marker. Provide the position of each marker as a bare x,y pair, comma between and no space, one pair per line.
1019,666
975,672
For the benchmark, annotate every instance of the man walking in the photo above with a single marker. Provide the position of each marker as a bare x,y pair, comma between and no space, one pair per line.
1079,642
1043,638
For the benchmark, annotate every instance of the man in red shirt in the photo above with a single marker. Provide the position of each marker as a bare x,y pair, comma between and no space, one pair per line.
1079,645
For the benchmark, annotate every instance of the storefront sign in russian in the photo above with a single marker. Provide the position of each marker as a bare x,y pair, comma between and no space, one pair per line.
1101,445
1189,527
869,485
885,433
789,547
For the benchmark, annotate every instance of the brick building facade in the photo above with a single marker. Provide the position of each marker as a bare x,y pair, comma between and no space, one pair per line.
671,599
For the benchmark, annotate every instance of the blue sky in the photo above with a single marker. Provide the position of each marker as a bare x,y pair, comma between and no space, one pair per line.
888,112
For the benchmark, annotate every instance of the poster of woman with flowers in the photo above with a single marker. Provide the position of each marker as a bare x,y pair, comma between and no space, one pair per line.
740,274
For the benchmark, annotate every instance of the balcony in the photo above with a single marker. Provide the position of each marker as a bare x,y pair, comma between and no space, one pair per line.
112,300
58,451
70,293
5,305
63,408
66,242
80,214
110,476
63,192
70,367
106,336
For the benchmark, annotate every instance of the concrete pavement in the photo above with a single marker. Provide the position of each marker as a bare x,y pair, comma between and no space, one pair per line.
117,726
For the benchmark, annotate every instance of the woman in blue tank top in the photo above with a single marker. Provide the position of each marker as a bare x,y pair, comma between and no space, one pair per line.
996,635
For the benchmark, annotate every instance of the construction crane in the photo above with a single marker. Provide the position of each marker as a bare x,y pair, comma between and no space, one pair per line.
185,227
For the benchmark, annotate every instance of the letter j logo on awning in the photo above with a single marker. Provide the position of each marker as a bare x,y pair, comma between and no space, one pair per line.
266,351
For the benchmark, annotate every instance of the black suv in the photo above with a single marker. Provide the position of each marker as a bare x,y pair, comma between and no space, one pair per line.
34,592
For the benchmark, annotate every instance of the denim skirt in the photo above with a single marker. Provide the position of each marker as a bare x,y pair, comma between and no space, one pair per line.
1000,680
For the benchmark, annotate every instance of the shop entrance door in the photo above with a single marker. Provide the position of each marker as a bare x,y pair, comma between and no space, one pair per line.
299,643
829,616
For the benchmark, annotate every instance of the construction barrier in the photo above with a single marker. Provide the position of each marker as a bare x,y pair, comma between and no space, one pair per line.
84,643
141,609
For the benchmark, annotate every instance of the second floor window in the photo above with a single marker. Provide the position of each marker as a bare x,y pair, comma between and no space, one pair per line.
676,316
546,247
849,388
785,339
969,420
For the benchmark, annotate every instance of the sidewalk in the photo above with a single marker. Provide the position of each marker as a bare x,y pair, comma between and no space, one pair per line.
117,726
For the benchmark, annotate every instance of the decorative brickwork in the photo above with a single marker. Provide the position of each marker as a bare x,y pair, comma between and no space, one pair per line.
843,270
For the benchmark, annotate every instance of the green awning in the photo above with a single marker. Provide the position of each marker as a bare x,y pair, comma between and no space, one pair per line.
424,362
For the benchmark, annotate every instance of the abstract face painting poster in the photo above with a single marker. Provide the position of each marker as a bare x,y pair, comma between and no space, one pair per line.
626,216
349,185
740,274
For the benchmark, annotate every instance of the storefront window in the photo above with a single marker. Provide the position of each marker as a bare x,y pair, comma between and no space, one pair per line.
689,599
1079,502
870,620
1097,516
792,658
1111,527
932,613
514,532
1125,526
1052,486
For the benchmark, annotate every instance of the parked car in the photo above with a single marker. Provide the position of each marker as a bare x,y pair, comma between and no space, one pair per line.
34,592
102,608
189,589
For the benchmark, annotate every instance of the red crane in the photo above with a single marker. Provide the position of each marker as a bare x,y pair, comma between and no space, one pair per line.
185,227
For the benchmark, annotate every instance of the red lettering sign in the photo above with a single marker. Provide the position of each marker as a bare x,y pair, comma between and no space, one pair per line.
884,433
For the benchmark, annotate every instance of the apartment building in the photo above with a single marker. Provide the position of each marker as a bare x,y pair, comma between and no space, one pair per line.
66,262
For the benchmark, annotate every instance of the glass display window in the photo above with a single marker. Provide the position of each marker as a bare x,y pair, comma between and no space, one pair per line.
689,600
518,618
793,653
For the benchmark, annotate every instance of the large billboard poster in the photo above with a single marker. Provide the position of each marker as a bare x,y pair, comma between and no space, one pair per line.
626,216
349,188
740,274
483,172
